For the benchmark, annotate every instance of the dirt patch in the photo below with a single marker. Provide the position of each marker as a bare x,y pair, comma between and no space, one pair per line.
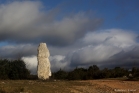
88,86
115,86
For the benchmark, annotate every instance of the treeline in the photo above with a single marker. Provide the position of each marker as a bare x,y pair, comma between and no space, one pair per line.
93,72
13,69
16,69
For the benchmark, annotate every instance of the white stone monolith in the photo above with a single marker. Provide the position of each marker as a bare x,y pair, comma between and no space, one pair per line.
43,62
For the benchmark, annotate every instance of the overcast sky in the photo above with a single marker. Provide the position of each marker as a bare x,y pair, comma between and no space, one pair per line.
78,33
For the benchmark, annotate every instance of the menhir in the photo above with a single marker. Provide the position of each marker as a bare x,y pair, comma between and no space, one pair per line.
43,62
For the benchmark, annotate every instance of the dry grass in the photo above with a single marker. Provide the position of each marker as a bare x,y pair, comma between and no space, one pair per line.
89,86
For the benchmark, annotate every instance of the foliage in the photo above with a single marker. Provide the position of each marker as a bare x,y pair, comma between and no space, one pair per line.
14,69
77,74
135,72
93,72
61,74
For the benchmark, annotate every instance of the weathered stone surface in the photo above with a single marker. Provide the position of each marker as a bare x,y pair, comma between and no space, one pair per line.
43,62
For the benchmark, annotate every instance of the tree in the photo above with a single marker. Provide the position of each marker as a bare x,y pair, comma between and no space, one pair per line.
78,74
135,72
15,69
93,72
4,68
118,72
61,74
18,70
105,73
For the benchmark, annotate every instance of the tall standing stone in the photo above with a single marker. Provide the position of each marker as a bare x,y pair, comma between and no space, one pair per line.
43,62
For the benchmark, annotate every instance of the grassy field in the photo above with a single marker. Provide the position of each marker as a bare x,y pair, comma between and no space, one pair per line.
88,86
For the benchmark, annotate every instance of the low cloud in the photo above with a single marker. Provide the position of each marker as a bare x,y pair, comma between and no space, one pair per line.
31,63
57,62
107,47
17,51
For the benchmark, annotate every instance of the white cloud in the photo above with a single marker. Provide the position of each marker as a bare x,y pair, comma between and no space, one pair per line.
16,16
31,63
115,37
57,62
99,47
96,53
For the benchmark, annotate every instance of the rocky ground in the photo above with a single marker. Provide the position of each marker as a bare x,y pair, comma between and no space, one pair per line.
88,86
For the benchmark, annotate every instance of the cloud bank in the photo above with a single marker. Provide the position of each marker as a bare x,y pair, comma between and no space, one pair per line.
71,38
107,48
29,22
